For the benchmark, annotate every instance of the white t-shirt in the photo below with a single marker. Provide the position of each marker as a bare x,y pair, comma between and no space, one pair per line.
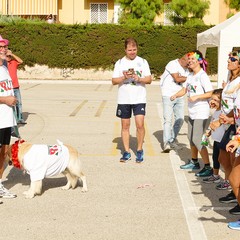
167,83
236,109
219,132
7,118
128,92
196,85
229,95
45,160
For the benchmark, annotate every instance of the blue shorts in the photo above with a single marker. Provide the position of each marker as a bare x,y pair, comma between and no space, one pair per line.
5,136
125,110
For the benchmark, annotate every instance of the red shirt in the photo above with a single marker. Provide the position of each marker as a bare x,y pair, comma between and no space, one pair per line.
12,68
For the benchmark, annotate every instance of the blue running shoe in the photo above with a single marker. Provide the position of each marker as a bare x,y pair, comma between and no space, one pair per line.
234,225
126,157
205,172
139,157
190,165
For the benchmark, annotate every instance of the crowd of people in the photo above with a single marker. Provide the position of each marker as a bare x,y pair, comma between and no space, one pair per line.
10,105
223,127
186,76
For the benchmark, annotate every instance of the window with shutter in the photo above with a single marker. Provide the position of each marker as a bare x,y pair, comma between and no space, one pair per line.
99,12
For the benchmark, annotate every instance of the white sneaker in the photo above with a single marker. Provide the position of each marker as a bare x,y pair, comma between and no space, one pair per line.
167,148
4,193
212,179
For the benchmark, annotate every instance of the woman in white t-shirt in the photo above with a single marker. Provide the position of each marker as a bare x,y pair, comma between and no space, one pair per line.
7,102
226,119
233,148
198,89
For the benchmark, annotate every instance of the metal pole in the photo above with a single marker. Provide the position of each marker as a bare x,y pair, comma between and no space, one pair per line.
7,7
73,11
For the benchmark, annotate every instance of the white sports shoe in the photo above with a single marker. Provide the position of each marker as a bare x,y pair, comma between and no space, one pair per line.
4,193
167,148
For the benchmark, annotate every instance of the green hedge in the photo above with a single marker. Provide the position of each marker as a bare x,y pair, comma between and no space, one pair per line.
100,45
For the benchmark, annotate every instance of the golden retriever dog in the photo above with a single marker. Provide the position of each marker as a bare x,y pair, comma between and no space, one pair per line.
40,161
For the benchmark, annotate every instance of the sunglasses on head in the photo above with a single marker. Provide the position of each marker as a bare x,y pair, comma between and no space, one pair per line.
232,59
234,53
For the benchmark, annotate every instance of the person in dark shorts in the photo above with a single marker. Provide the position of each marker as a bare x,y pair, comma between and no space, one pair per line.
7,102
131,74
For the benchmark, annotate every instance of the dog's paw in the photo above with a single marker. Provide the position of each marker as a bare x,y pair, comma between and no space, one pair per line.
66,187
28,194
84,189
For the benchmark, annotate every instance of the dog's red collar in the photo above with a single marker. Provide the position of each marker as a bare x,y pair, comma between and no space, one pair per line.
15,160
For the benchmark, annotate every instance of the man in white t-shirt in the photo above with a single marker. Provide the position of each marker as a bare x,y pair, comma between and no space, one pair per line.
7,102
175,74
131,73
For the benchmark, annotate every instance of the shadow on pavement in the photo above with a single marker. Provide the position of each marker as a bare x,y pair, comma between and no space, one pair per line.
133,144
209,191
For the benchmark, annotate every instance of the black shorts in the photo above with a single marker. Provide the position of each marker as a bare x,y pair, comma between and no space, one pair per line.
125,110
227,137
5,136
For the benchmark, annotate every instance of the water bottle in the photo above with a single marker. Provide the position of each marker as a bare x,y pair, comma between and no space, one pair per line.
237,153
205,140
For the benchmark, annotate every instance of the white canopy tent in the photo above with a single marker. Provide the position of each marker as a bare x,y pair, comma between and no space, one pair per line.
224,36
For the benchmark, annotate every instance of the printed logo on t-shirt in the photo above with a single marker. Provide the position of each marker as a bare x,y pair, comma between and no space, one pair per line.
191,88
54,150
139,73
5,86
236,112
225,103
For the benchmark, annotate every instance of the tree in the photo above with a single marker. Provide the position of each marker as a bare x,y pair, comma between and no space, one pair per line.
235,4
140,12
188,10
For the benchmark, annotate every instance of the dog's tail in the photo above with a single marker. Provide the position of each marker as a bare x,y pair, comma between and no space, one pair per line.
59,142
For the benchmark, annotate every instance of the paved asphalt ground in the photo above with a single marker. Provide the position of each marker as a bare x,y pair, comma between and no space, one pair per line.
154,200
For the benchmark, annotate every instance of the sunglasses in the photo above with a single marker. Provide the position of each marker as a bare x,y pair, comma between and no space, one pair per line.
232,59
4,46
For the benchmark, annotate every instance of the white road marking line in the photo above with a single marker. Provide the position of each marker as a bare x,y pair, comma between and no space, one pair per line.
195,226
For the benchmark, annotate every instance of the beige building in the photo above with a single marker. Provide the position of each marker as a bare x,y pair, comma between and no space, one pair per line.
93,11
217,13
64,11
85,11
